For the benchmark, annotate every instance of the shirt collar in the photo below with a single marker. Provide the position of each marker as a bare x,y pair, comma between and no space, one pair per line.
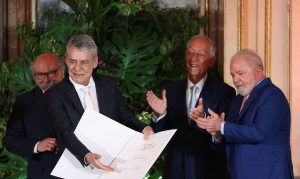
260,81
199,84
255,86
78,86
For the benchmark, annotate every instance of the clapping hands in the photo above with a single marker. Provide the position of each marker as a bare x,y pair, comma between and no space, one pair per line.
211,122
158,105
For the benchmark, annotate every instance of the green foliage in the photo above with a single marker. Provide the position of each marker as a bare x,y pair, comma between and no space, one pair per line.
15,78
142,46
144,117
133,65
12,166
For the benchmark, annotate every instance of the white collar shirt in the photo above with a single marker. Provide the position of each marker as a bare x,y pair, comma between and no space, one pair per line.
92,91
200,85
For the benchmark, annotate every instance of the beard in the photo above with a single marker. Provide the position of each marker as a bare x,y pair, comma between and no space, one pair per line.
243,90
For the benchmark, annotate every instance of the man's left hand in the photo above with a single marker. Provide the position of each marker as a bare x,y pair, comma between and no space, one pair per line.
212,123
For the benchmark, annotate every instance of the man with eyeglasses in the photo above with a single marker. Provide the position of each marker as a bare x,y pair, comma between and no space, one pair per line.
29,132
191,153
47,70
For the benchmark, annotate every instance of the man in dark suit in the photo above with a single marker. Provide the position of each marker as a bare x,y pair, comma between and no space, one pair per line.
257,130
191,153
68,100
29,132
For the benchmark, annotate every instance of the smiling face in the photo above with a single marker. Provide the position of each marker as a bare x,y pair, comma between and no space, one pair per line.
81,64
245,73
198,58
47,70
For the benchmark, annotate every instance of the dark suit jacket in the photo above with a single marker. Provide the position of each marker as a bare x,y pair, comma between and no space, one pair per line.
258,139
28,124
66,110
190,153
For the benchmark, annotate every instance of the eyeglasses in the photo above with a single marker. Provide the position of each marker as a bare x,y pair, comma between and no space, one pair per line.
50,74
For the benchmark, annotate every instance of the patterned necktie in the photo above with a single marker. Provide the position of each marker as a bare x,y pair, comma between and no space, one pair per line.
193,99
87,98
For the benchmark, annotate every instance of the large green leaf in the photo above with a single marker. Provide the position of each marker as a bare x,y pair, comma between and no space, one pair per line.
12,166
137,64
15,78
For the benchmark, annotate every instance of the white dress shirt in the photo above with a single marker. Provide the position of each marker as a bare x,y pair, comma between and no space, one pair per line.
92,91
200,85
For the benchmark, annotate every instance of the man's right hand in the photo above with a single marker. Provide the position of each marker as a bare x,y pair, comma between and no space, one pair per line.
48,144
94,160
159,106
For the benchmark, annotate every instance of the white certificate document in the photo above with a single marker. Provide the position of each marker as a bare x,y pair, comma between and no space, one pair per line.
119,146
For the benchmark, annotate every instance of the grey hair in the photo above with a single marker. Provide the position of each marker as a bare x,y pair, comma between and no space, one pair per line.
83,42
212,49
251,57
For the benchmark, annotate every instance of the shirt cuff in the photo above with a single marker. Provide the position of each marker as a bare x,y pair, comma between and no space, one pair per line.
155,118
84,160
222,127
35,148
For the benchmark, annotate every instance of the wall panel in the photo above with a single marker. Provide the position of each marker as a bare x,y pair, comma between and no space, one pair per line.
271,27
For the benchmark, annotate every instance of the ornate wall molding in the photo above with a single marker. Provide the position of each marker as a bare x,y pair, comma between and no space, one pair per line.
294,39
268,33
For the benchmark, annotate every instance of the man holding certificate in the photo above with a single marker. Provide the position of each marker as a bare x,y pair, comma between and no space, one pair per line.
81,90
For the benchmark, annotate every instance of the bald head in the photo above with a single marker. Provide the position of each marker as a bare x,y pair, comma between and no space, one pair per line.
248,56
48,70
209,42
45,58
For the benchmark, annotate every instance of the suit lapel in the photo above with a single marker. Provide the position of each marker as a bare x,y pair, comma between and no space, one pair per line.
247,104
252,97
182,97
206,94
180,104
233,114
100,90
73,96
42,117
